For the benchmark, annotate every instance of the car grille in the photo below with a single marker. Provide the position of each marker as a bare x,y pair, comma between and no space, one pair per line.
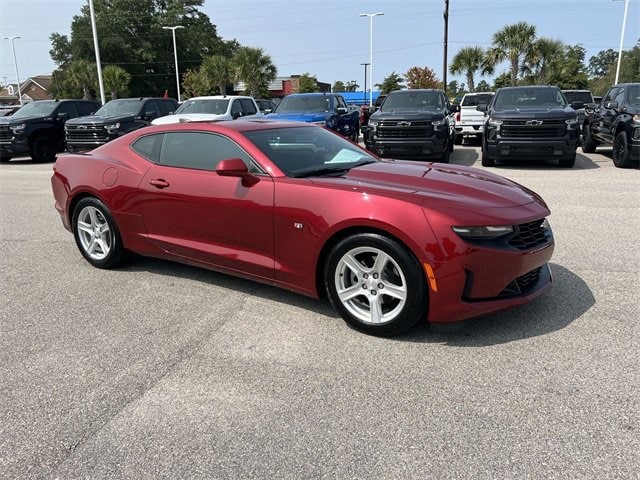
91,133
530,235
404,129
5,133
528,279
521,129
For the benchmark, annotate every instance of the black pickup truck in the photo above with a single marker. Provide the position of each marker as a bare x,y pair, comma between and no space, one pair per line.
615,121
534,122
412,124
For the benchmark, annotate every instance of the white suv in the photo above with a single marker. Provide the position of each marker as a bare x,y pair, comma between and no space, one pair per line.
218,107
469,121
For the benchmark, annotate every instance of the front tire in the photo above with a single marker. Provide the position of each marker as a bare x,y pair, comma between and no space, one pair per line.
588,143
5,158
96,234
43,149
376,284
621,155
568,162
485,159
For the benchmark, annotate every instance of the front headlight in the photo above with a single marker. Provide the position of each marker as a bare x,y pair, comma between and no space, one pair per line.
636,118
18,128
571,122
483,233
494,122
113,128
438,124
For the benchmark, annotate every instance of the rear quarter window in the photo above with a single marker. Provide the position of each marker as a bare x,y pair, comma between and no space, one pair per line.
149,147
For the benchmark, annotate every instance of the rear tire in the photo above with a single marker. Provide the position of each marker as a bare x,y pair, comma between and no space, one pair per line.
458,140
43,149
588,143
621,155
376,284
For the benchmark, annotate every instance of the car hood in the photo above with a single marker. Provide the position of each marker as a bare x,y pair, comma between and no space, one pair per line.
465,187
101,119
298,116
11,120
190,117
534,112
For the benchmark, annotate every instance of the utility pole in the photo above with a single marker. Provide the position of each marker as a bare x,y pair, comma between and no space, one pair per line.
365,81
446,40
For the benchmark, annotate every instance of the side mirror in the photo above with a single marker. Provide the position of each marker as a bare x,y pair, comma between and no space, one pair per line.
455,108
341,110
611,105
482,108
64,116
150,114
236,114
577,105
235,167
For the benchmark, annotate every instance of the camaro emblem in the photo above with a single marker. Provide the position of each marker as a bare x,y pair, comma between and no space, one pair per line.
534,122
404,124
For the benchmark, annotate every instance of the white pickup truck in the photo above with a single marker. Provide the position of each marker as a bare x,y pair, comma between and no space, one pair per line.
469,121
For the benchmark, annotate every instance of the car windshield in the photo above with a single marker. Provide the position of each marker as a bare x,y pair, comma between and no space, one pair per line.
215,106
36,109
312,104
634,95
120,107
477,99
584,97
529,97
309,151
413,101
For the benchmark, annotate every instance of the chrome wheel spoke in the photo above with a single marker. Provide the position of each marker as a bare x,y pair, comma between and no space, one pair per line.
381,262
352,263
348,293
375,307
395,291
85,227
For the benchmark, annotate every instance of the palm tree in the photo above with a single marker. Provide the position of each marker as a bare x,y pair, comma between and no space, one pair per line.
253,67
218,71
116,80
82,74
513,43
545,54
468,61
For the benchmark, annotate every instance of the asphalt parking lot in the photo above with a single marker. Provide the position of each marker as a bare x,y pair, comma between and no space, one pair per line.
158,370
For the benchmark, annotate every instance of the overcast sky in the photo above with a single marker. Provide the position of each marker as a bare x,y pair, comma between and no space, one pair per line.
329,39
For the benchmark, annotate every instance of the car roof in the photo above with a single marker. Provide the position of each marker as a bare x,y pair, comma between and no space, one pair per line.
218,97
244,125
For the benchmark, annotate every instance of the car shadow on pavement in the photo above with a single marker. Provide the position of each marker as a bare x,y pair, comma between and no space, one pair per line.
569,298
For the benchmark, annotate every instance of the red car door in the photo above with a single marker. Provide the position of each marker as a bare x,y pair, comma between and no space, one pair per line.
191,211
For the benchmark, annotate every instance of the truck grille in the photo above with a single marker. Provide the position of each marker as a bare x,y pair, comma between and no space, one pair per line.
5,133
530,235
404,129
525,128
92,133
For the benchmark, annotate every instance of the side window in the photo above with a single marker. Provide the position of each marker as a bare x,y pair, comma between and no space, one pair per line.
620,97
611,94
200,151
69,108
86,108
248,107
340,103
151,109
149,147
236,108
166,107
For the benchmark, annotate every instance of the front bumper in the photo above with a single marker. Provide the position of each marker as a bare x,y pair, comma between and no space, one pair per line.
17,146
531,148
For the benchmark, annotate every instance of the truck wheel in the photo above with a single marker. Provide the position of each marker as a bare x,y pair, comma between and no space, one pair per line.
458,140
588,143
5,158
356,133
451,143
486,160
43,149
568,162
621,154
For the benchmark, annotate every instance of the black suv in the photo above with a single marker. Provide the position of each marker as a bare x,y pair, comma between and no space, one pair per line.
616,122
534,122
37,129
114,119
412,123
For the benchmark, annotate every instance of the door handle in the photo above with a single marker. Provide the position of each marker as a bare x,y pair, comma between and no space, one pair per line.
159,183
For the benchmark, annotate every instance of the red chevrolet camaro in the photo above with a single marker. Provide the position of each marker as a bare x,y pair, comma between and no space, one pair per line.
389,242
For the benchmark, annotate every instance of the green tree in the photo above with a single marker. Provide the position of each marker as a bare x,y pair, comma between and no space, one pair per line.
547,54
218,71
83,76
455,89
196,83
391,83
513,43
569,72
131,35
307,83
351,86
418,77
502,80
483,86
255,68
468,61
116,80
339,86
600,64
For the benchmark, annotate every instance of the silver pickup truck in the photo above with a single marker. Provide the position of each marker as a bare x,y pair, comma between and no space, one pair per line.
469,121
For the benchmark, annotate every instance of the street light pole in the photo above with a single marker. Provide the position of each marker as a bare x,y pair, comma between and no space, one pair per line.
446,42
15,63
175,55
365,81
624,22
95,46
371,15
